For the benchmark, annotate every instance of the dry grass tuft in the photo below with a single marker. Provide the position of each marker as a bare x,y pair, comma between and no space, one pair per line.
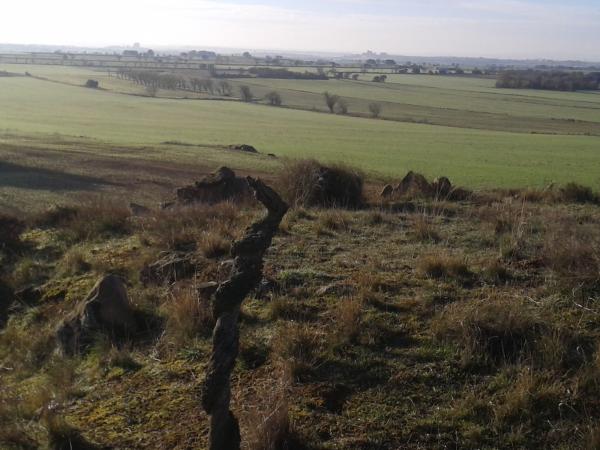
491,331
347,320
441,265
188,227
188,315
297,346
424,229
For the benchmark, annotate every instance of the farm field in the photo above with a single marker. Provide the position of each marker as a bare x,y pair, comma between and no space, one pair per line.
383,148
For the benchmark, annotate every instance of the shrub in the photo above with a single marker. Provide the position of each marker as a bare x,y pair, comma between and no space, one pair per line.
341,107
214,245
308,183
56,216
577,193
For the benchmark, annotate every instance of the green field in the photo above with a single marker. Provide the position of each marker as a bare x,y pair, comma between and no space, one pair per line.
482,157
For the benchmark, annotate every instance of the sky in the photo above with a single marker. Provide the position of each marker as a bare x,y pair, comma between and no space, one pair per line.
489,28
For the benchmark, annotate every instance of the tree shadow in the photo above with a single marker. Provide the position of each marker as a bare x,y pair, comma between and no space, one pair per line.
38,178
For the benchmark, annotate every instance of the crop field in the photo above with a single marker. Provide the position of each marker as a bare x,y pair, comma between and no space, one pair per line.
483,137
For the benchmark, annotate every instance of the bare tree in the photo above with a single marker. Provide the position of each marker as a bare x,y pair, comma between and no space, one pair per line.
331,100
274,99
152,90
246,94
375,109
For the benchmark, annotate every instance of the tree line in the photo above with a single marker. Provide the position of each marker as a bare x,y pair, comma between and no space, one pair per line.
548,80
267,72
153,81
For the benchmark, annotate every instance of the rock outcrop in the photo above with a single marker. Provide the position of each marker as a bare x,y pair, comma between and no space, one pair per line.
106,309
223,185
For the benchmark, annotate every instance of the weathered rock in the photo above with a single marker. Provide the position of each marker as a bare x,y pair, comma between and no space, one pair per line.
170,268
243,148
220,186
106,309
387,191
414,184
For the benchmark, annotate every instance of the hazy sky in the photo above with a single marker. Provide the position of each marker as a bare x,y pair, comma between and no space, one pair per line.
566,29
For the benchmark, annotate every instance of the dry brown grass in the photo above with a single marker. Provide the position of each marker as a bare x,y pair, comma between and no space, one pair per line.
572,252
347,318
297,347
188,316
424,229
442,265
495,330
187,227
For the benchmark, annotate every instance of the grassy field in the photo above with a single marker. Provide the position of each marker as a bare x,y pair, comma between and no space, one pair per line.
474,158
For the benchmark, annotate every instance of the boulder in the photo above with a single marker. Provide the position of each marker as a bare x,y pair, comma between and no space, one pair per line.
414,184
106,309
220,186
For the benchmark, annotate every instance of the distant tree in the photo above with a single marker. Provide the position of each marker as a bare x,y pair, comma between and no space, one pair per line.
355,76
376,79
330,101
375,109
152,90
341,106
92,84
247,55
224,88
416,70
390,62
246,94
274,98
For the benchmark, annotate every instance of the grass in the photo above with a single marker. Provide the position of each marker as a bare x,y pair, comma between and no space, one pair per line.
472,158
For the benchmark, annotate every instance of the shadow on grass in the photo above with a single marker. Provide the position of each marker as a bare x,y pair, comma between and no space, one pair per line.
18,176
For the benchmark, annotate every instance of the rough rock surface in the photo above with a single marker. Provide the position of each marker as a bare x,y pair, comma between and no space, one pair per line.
106,309
220,186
